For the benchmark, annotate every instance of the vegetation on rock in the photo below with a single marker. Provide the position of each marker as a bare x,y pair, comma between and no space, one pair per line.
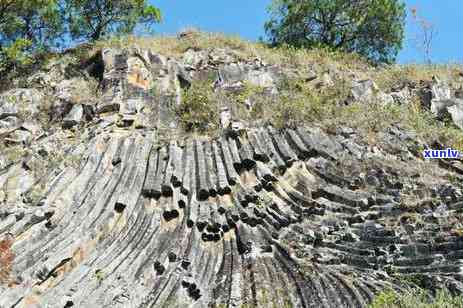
199,109
29,28
416,298
322,184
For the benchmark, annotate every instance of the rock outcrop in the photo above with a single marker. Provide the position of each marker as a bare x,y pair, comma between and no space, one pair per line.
103,213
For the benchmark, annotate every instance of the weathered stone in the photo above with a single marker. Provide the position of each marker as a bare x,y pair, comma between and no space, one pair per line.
363,90
112,216
448,108
402,97
77,115
225,117
456,112
74,90
233,75
20,103
18,136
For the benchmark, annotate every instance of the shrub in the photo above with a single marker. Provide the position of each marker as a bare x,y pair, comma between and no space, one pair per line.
199,109
416,299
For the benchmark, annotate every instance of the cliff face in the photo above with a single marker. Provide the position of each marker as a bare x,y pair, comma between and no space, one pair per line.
105,201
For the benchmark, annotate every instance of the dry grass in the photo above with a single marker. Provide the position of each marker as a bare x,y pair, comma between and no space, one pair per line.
300,101
175,46
394,75
416,299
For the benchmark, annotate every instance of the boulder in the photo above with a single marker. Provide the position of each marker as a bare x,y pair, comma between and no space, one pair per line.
8,108
436,90
401,97
452,108
9,123
439,89
363,90
195,58
19,136
325,80
225,117
77,115
385,99
16,182
234,75
456,112
74,90
20,102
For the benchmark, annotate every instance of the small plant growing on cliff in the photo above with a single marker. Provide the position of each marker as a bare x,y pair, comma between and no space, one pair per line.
99,275
198,110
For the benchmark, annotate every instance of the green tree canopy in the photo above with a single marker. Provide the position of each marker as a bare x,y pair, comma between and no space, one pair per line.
27,26
372,28
94,19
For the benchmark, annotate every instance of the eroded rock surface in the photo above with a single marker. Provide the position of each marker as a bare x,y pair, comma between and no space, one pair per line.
268,217
103,213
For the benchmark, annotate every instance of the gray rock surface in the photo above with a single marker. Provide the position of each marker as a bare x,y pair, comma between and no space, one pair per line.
112,213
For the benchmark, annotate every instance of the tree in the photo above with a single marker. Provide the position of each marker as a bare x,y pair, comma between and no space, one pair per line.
372,28
94,19
31,26
27,26
425,36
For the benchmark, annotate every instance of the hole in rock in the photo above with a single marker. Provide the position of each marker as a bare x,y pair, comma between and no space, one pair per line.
169,215
172,257
203,194
201,225
69,304
185,264
159,268
167,191
116,161
225,228
119,207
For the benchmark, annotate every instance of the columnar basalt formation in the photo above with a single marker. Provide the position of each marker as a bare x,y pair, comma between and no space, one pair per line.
256,218
140,225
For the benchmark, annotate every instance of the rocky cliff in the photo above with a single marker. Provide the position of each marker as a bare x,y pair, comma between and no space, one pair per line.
108,200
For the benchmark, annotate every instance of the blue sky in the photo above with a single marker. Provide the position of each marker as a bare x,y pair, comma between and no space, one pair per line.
247,17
